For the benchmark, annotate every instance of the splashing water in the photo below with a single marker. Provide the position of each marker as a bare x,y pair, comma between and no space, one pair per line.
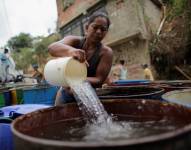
99,124
89,103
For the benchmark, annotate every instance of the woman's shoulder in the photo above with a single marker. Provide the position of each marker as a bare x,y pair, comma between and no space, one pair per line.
73,37
106,49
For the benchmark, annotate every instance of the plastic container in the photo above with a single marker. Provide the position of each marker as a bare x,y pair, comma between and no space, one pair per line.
131,82
7,97
14,96
2,100
12,112
6,137
130,92
171,85
40,95
19,92
17,95
64,71
182,97
134,110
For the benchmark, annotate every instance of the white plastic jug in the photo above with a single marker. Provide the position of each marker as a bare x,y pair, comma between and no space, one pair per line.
65,71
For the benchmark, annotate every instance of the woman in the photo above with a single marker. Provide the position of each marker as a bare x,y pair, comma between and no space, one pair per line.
87,49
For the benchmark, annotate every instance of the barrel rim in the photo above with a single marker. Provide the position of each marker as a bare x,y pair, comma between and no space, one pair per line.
127,142
160,90
172,81
164,97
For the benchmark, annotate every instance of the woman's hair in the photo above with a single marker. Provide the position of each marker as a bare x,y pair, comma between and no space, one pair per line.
99,14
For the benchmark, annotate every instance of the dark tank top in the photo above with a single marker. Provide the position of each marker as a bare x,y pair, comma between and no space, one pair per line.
94,60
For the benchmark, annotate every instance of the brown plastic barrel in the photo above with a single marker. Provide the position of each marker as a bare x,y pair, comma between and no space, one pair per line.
130,92
179,139
172,85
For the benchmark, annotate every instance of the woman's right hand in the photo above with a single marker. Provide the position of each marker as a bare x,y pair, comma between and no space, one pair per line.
79,55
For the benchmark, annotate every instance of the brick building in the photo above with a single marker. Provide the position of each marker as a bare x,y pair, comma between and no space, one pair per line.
132,22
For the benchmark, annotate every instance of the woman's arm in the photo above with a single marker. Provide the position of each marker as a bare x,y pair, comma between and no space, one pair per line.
66,48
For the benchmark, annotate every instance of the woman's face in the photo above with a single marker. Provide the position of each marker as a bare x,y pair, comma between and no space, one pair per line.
97,30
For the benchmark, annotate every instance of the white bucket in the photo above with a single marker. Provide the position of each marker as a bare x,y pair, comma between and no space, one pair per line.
65,71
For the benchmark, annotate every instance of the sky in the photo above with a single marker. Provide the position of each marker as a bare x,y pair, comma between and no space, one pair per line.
35,17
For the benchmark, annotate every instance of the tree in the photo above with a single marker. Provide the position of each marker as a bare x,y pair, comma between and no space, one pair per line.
21,41
28,50
24,58
41,48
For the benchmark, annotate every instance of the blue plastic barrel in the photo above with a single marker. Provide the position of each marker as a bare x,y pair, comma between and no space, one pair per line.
7,114
18,110
7,97
40,95
6,137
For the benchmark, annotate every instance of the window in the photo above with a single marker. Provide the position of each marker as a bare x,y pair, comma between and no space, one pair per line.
73,28
76,26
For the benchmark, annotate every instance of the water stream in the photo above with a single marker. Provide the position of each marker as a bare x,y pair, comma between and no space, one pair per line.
99,122
89,103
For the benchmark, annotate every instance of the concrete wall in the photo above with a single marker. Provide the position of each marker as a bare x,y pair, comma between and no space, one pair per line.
125,21
153,15
131,17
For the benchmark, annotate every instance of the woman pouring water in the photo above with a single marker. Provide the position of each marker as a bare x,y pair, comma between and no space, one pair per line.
88,49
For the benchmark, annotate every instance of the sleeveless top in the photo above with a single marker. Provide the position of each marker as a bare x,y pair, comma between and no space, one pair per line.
94,60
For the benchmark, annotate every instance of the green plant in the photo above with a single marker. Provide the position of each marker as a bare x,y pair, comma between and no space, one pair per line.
41,48
20,41
177,8
24,58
